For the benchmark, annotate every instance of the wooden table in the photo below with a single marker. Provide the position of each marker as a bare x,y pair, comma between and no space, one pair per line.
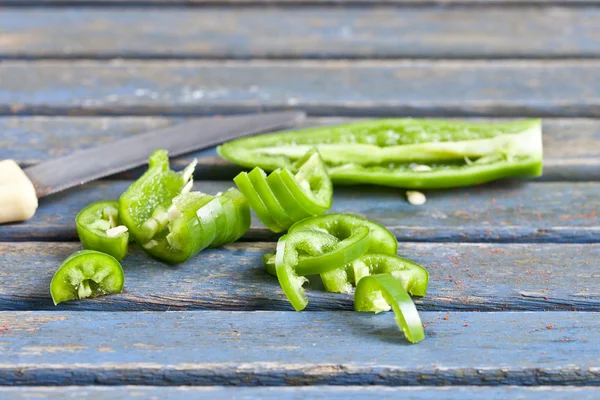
514,291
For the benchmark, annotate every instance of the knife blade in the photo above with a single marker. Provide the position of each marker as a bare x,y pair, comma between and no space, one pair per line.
107,159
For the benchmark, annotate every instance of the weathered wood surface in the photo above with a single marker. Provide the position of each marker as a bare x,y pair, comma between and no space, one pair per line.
479,277
297,393
481,3
571,146
366,88
499,212
284,348
351,32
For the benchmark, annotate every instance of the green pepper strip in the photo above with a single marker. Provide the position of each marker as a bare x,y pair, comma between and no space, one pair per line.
282,198
375,293
382,240
407,153
86,273
99,228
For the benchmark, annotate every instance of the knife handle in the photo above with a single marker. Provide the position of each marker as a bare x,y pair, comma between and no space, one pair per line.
18,201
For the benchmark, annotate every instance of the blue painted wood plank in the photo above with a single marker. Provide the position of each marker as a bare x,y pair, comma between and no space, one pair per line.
500,212
480,277
301,32
410,3
571,146
297,393
358,88
287,348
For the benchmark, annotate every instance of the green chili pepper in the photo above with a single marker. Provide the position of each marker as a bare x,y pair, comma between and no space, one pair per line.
283,198
144,205
413,277
377,292
197,221
311,252
382,240
86,273
99,228
407,153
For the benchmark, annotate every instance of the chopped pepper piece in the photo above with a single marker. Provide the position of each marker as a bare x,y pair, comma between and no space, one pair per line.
283,198
99,228
407,153
376,293
86,273
144,205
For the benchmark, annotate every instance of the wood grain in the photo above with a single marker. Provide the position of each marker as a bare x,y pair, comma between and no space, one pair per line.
463,277
285,348
571,146
501,212
297,393
326,88
318,32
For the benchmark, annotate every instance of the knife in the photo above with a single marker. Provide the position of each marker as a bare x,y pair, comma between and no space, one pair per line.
21,188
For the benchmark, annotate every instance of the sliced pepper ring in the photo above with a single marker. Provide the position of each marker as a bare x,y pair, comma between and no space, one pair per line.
87,273
382,240
245,185
376,293
259,180
99,228
288,201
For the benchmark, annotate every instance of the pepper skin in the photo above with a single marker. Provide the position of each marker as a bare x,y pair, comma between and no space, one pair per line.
99,228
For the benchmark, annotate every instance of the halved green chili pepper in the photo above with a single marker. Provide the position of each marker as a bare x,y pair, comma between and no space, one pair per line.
311,252
282,198
86,273
99,228
376,293
413,277
407,153
338,224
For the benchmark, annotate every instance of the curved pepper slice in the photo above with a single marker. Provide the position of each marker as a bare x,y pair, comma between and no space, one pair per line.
256,202
413,277
406,152
382,240
282,198
86,273
144,205
99,228
376,293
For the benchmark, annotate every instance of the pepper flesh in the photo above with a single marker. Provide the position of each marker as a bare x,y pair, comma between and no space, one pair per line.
93,223
86,273
389,152
283,198
376,293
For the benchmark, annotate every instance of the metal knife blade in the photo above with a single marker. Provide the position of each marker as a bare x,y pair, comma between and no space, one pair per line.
87,165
